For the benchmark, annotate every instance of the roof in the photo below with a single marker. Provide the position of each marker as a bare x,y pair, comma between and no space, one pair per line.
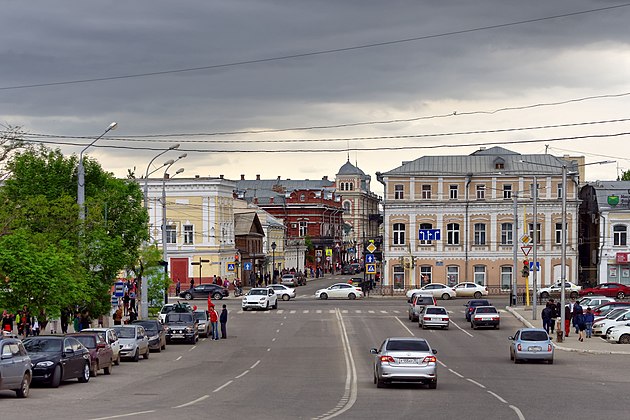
349,169
604,189
247,224
266,189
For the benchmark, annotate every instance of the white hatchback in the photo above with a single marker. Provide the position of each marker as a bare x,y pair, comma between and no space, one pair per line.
469,289
260,298
283,292
340,291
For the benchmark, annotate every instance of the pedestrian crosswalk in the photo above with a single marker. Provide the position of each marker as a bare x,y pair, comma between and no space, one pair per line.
395,312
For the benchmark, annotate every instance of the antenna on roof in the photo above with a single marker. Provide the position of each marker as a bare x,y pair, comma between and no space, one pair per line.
348,150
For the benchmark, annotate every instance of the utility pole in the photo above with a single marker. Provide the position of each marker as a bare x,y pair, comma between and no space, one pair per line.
535,270
515,249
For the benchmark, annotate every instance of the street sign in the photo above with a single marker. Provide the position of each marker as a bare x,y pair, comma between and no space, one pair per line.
370,268
231,266
429,234
119,289
531,266
329,252
526,239
370,259
114,300
526,249
371,248
247,266
318,252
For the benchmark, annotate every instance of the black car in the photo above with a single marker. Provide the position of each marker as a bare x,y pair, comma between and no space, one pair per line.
15,367
181,326
57,359
156,333
205,290
472,304
347,269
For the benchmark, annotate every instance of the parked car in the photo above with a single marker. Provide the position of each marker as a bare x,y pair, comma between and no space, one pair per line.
616,290
485,316
472,304
134,342
283,292
594,301
433,316
438,290
171,306
606,308
260,298
340,291
356,267
531,344
347,269
601,327
101,354
181,326
111,338
15,367
417,302
56,359
204,290
469,289
203,322
570,289
619,334
289,280
405,359
155,330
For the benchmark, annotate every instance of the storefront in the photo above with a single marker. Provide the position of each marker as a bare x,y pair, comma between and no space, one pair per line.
619,270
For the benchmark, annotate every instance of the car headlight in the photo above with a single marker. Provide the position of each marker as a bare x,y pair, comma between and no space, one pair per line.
188,329
263,299
47,363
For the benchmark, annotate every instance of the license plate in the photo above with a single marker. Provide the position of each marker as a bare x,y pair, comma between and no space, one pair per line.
407,361
534,348
177,335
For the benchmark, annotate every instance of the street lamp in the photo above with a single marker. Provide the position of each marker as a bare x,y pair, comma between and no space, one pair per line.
164,246
81,173
273,262
146,176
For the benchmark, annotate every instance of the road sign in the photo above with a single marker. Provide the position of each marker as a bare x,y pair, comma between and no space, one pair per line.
114,300
526,249
370,259
318,252
119,289
371,248
329,252
526,239
370,268
231,266
247,266
429,234
531,266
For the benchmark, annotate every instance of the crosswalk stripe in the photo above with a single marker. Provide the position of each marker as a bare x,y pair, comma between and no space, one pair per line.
305,311
371,312
331,311
319,311
358,311
292,311
383,312
345,311
396,312
280,311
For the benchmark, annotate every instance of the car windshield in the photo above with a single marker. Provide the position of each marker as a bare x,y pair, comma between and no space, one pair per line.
166,309
407,345
436,311
479,303
36,345
87,341
176,317
126,332
150,326
258,292
486,311
534,336
613,313
200,316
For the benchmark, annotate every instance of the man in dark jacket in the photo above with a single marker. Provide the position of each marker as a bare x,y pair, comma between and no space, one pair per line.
223,320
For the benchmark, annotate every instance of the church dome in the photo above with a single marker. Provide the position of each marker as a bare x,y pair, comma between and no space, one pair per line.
349,169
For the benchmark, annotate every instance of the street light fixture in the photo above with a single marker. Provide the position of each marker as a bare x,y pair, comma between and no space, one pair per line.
81,173
164,245
273,262
146,176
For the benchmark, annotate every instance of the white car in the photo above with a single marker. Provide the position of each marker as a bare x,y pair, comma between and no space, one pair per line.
283,292
469,289
603,326
619,334
593,301
260,298
340,291
433,316
570,289
110,337
438,291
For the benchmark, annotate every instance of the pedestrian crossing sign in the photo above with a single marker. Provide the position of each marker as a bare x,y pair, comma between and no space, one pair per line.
231,266
370,268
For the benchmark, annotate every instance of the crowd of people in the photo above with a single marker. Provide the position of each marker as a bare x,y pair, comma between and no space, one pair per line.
574,316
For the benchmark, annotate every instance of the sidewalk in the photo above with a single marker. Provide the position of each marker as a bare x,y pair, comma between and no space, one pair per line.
593,345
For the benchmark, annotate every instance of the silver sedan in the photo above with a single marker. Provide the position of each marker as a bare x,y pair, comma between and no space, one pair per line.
433,316
405,359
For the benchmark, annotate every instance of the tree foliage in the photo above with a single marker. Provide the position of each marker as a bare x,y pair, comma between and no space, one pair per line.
625,176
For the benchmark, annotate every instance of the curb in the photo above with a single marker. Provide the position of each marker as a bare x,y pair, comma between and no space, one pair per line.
558,346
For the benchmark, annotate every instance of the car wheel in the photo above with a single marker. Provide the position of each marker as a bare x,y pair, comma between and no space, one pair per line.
621,295
94,371
516,360
477,295
217,296
472,325
511,354
545,295
624,339
56,377
380,383
352,296
424,327
146,355
25,386
86,373
136,355
446,296
374,377
108,370
267,306
323,296
188,296
432,385
286,297
117,361
550,361
275,305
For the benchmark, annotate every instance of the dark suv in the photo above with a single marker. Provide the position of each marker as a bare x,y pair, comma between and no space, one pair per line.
205,290
181,326
15,367
472,304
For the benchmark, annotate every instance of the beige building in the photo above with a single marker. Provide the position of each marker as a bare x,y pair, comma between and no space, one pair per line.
469,202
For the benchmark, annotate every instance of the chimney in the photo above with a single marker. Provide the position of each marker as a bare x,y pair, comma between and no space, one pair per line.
221,176
325,178
196,176
242,177
257,177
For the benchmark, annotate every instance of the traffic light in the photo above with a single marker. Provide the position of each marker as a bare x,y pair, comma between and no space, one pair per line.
236,257
525,271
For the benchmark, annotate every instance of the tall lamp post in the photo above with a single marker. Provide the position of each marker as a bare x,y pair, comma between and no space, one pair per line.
81,173
273,262
164,244
147,173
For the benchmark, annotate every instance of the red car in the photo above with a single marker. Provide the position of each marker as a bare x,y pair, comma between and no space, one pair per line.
603,309
101,353
616,290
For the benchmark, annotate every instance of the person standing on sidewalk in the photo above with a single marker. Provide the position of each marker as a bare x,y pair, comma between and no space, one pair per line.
568,317
589,318
578,319
546,318
223,320
214,321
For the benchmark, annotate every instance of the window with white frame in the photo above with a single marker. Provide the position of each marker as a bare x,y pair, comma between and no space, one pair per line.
480,275
399,277
302,197
452,234
341,185
189,235
346,207
399,234
506,277
558,234
425,226
426,192
534,191
536,237
303,228
399,192
560,190
481,192
507,191
452,275
480,233
506,233
620,235
453,191
171,234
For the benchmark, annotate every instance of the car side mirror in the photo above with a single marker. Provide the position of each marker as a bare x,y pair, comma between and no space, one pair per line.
434,351
373,351
6,356
511,338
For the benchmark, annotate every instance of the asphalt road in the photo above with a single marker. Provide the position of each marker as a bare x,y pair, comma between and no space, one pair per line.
310,359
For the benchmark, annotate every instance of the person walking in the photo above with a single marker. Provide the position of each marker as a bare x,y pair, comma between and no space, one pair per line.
551,304
214,318
223,320
577,309
568,317
589,318
126,300
578,319
65,315
546,318
178,287
132,299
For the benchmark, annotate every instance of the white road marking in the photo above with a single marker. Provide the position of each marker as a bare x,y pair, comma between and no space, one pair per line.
319,311
518,412
476,383
497,397
195,401
331,311
455,373
404,326
305,311
371,312
463,330
344,311
442,364
242,374
273,339
179,358
137,413
281,324
396,312
280,311
383,312
358,311
223,386
192,348
277,331
292,311
269,349
255,364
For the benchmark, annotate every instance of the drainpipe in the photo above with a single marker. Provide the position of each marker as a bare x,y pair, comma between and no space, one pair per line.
466,227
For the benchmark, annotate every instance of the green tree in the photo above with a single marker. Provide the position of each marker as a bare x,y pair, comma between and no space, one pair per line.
147,268
625,176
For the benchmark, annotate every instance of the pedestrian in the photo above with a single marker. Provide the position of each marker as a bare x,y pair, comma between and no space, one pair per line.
554,315
126,300
35,327
118,316
578,319
568,317
178,287
65,315
214,318
546,318
589,318
226,283
223,320
7,322
76,322
576,309
86,321
132,315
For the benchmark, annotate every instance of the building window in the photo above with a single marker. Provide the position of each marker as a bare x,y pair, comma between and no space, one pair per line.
346,207
559,233
399,192
560,190
499,165
399,234
171,234
425,274
452,192
506,233
620,235
426,192
480,233
535,238
399,277
341,185
534,191
452,234
188,235
303,228
481,192
480,275
352,186
425,226
507,191
452,275
506,278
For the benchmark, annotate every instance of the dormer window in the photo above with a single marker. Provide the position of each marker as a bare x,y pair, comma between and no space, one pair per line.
499,163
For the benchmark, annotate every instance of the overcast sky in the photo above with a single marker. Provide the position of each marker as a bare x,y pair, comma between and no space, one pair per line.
446,68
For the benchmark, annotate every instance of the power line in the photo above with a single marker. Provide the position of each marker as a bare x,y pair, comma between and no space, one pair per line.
315,53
